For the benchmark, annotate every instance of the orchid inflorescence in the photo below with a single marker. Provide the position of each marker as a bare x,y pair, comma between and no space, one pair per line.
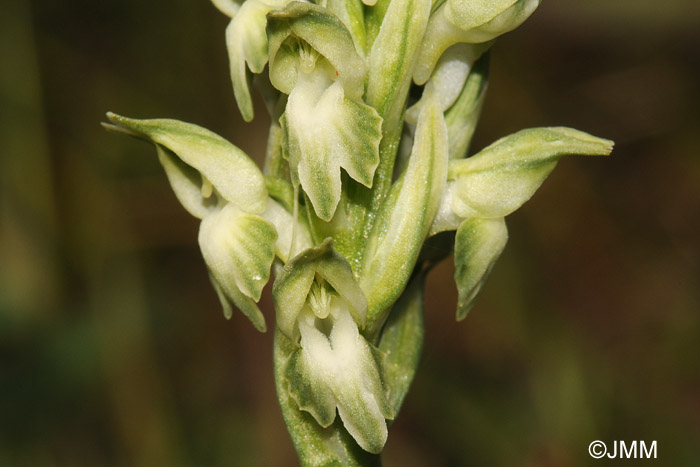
363,183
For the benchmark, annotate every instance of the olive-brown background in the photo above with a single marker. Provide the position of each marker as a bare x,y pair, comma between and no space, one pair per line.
113,349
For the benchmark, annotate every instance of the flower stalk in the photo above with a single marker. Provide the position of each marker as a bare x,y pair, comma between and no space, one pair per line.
358,177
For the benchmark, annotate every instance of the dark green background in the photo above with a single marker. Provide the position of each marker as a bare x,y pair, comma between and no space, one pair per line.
113,348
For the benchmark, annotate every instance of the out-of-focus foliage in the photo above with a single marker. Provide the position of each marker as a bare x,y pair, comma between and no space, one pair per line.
112,346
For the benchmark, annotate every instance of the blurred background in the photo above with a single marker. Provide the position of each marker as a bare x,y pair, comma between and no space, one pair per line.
113,347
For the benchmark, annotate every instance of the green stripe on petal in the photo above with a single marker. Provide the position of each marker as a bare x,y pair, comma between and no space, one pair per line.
327,131
500,178
238,249
307,381
478,244
340,370
234,175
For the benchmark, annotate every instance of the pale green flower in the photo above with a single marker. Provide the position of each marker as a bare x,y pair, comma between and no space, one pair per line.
360,181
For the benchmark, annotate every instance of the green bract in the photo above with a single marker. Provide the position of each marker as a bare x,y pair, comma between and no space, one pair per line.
358,185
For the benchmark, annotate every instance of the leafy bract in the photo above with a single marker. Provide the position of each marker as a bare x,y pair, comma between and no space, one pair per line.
393,249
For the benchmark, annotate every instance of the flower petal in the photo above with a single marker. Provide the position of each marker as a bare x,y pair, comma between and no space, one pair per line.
293,284
246,41
478,244
327,131
326,34
232,173
500,178
339,370
238,249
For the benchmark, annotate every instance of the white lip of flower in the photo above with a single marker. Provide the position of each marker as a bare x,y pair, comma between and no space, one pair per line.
339,364
319,305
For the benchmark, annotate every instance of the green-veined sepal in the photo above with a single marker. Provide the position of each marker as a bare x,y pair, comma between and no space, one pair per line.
238,249
499,179
309,273
478,244
223,169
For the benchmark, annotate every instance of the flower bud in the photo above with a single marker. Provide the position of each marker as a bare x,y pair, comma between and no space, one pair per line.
476,22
